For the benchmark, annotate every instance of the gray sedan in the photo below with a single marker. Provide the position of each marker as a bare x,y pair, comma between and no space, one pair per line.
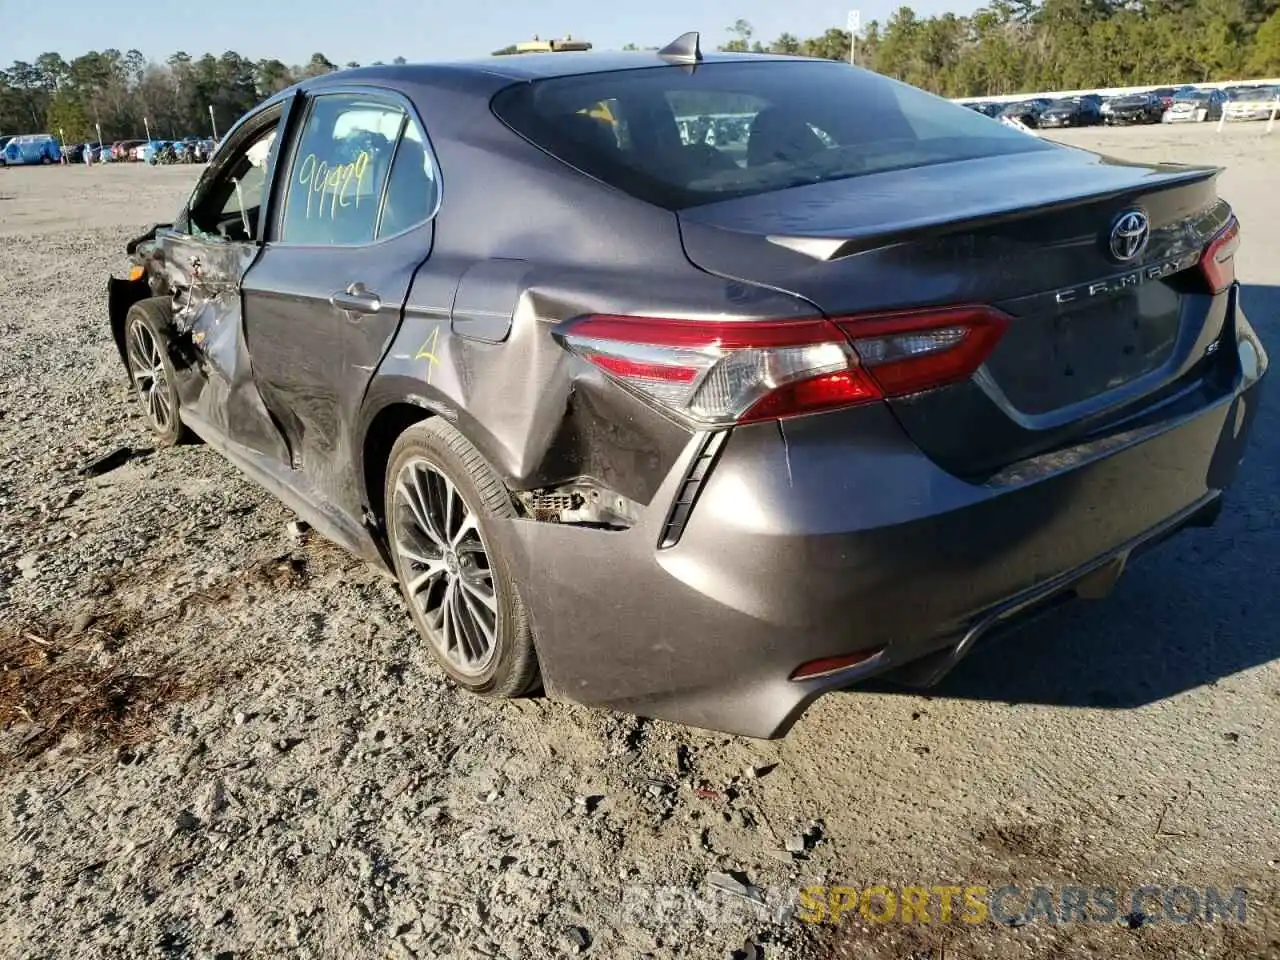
697,427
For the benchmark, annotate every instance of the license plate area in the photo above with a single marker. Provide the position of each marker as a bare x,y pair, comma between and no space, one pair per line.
1047,362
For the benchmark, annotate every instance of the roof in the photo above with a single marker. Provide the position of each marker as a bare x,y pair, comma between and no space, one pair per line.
528,66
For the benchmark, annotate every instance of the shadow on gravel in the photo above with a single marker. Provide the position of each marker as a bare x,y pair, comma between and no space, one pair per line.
1195,610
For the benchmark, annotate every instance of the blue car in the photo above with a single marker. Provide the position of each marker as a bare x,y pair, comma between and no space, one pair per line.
150,149
32,148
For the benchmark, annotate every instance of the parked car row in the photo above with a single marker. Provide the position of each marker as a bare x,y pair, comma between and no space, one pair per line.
152,151
1183,104
187,150
44,148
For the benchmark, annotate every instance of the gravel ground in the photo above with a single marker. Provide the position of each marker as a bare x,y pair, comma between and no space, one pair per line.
220,740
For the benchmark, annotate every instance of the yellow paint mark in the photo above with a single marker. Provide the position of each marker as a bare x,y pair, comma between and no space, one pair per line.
428,352
600,111
332,187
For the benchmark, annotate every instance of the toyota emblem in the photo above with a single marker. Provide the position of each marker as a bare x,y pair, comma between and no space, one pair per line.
1129,235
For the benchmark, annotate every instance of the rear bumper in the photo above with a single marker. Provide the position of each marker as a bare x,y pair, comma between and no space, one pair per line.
829,535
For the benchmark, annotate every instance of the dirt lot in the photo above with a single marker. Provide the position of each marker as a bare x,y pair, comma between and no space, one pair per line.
218,741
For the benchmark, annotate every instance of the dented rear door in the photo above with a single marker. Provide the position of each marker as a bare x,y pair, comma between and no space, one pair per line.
325,298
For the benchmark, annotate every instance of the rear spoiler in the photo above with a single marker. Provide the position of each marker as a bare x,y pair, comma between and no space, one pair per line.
873,237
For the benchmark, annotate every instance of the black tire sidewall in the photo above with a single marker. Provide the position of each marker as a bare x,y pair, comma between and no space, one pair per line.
514,667
146,314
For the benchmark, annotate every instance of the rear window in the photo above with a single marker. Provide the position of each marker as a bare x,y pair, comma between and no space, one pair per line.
679,138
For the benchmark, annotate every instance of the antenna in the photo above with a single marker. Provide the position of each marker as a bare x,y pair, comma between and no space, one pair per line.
683,49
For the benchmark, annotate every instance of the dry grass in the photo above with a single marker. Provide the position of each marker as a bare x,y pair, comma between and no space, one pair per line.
63,676
58,679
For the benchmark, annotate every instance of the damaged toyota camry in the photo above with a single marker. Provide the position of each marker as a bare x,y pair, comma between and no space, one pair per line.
694,430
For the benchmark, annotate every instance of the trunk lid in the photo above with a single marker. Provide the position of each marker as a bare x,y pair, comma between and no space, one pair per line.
1092,337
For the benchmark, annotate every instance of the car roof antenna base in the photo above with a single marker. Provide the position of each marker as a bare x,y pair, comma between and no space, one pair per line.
683,49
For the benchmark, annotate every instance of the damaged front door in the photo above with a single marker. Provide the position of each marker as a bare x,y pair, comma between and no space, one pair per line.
207,255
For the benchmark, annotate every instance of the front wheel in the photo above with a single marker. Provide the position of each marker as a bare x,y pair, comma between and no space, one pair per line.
145,333
442,498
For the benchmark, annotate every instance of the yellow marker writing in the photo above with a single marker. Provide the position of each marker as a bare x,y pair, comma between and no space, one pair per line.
332,187
428,352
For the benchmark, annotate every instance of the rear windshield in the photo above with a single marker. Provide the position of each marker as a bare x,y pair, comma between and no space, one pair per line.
678,138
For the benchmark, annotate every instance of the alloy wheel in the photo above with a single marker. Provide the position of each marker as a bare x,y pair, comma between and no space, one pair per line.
445,567
149,374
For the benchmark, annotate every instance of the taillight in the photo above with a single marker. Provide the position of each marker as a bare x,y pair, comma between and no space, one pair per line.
724,372
1218,263
716,372
914,350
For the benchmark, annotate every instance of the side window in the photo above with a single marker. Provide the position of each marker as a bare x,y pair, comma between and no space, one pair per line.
413,188
339,166
231,203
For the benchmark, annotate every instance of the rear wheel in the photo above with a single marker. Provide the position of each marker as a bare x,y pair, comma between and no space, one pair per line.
441,499
152,371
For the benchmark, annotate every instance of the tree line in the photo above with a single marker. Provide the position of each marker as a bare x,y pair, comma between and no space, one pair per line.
124,93
1006,47
1013,46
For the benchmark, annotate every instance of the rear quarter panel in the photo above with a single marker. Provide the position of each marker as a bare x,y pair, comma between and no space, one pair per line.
539,415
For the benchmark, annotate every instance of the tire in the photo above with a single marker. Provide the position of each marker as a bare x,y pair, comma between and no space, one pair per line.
488,647
146,336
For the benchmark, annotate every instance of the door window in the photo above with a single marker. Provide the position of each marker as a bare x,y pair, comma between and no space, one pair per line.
335,181
233,201
413,189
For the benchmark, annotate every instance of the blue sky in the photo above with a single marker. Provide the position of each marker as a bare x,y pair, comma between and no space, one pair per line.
367,30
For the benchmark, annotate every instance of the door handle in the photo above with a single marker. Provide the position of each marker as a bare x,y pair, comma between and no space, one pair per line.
356,299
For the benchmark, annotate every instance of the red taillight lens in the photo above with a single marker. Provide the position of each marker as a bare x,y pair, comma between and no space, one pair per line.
719,373
911,351
1218,263
839,389
716,372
